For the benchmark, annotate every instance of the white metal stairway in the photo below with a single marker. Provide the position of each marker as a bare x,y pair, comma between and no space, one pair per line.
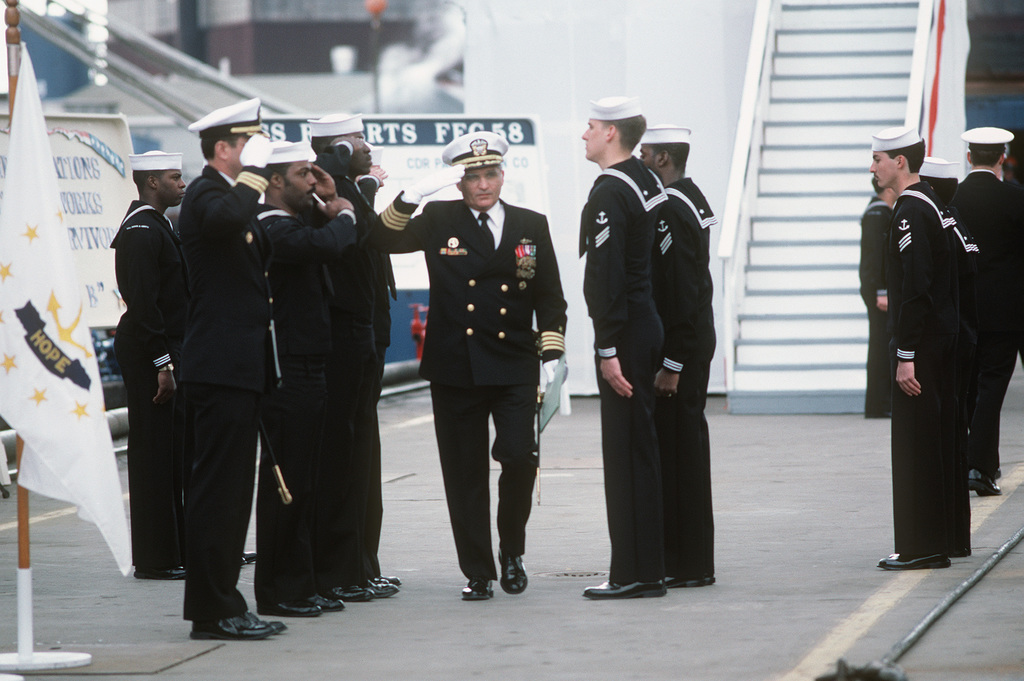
835,72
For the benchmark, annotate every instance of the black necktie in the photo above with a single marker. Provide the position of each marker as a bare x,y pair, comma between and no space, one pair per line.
487,230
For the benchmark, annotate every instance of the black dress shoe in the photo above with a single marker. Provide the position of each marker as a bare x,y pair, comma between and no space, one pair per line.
983,484
238,628
277,626
898,562
392,580
301,608
680,583
959,553
248,557
635,590
327,604
348,594
162,574
513,574
478,590
381,588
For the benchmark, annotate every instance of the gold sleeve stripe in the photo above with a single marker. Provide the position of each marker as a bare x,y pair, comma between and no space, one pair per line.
393,218
552,340
252,180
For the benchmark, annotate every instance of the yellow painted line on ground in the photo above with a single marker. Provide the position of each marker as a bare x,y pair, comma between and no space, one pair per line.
418,421
43,517
837,642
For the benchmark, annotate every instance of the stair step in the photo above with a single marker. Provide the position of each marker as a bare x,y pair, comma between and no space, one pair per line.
841,63
811,229
817,182
884,85
803,326
812,158
818,15
778,133
834,109
801,351
799,377
840,301
806,277
843,39
778,204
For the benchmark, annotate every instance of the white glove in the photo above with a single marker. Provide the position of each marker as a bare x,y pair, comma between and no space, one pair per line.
256,151
549,369
434,182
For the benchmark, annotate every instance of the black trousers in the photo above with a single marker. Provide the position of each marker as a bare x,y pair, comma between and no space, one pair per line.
686,475
460,423
293,418
632,469
375,493
222,423
878,395
923,451
343,481
995,360
155,459
961,522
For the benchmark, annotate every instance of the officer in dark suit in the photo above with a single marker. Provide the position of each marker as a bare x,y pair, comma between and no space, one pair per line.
228,364
492,268
874,230
993,211
923,321
293,413
347,461
617,234
682,293
153,282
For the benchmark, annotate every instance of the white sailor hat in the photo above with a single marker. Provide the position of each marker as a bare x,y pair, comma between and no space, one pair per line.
335,125
899,137
155,160
475,149
939,168
237,119
666,134
290,152
993,137
615,108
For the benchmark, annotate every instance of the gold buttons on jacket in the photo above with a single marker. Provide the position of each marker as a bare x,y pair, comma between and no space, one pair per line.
271,300
469,332
472,282
471,307
504,288
248,237
503,311
522,286
501,334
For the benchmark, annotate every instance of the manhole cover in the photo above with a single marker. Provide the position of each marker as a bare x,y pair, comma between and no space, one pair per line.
574,573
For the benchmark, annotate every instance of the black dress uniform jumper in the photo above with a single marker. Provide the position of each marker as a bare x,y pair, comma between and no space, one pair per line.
480,355
153,282
923,321
874,231
293,413
227,364
617,234
343,482
682,293
993,211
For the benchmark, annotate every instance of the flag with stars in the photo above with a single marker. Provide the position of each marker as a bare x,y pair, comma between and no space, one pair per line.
50,389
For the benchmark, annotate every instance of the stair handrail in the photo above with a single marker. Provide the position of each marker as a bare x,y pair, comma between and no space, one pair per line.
919,64
741,189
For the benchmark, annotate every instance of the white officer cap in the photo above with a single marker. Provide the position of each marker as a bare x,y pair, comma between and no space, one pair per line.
240,118
155,160
939,168
290,152
666,134
987,137
615,108
336,124
899,137
475,150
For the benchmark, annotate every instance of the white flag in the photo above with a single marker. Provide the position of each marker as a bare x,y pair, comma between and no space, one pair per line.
50,389
943,116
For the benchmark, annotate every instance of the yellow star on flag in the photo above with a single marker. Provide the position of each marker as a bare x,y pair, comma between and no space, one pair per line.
32,232
40,396
79,410
5,271
8,363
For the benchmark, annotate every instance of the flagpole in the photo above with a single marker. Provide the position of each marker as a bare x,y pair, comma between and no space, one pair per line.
25,659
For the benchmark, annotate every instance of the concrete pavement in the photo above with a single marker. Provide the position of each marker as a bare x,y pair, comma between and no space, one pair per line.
803,513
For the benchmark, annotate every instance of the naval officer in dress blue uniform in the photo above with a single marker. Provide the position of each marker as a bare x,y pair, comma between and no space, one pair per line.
492,268
152,281
228,362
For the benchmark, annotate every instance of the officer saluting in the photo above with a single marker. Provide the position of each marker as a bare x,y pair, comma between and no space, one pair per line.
228,363
492,267
152,280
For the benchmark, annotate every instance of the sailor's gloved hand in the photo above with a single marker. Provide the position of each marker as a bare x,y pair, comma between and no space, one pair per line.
256,152
432,183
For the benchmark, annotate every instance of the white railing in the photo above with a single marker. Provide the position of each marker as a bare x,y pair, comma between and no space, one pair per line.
742,185
919,65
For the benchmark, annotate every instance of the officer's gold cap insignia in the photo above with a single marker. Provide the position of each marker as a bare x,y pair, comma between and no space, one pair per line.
248,237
